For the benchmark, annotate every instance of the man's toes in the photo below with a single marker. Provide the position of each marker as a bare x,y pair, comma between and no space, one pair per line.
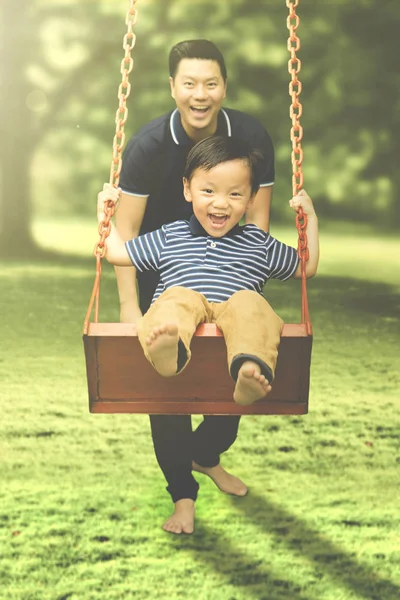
172,527
187,529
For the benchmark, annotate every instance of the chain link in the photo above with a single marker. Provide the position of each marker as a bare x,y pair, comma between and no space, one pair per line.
120,119
296,132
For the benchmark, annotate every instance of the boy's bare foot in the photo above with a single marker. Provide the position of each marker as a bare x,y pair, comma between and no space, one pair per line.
223,480
162,345
251,385
182,519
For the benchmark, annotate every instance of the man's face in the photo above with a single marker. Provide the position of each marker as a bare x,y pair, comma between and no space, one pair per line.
198,90
220,196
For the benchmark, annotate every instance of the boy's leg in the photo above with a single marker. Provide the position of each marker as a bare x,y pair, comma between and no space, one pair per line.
166,329
252,332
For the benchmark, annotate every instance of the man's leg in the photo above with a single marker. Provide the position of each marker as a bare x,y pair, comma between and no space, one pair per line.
172,441
215,435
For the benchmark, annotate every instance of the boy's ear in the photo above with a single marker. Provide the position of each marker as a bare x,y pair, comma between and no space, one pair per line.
186,190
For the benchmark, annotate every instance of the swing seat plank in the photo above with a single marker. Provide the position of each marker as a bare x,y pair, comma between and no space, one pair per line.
121,380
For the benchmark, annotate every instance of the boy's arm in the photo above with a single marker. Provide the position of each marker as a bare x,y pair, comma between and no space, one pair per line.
304,201
116,252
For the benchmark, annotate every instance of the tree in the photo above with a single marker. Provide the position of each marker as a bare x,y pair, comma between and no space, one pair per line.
23,60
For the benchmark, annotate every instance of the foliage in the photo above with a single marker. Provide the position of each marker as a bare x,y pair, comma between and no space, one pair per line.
63,62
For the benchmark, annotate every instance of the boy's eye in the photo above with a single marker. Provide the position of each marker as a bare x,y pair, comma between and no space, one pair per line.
236,194
207,191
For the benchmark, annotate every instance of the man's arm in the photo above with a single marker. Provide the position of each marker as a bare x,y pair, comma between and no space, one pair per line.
128,220
258,211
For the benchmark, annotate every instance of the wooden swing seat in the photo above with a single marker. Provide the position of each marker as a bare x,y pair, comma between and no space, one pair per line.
121,380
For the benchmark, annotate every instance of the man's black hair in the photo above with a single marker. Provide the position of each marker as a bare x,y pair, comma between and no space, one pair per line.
203,49
216,149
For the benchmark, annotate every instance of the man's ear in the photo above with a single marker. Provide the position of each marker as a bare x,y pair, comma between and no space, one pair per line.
226,85
186,190
171,83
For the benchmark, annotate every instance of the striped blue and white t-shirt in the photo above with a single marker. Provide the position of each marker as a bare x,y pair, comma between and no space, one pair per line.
185,255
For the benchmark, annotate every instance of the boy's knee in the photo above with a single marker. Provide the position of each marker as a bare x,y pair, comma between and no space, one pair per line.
245,296
246,299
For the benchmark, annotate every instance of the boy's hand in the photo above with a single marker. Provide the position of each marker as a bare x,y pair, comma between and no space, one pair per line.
303,200
109,193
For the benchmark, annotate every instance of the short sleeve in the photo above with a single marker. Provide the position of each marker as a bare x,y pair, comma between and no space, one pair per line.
145,250
282,260
135,177
263,143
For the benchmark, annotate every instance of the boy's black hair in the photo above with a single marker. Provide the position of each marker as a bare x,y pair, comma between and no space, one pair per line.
203,49
216,149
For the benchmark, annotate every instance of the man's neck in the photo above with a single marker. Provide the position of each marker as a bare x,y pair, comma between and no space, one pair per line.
200,134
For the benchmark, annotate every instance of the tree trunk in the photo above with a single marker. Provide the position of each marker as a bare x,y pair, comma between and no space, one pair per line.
16,129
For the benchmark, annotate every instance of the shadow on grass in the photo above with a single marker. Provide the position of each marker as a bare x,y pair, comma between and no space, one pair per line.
238,569
337,295
326,557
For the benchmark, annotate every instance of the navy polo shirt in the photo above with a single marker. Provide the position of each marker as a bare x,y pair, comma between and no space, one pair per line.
154,162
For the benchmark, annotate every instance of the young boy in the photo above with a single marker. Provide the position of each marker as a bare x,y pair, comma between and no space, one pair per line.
213,270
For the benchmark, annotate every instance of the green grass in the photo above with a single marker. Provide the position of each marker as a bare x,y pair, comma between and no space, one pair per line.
82,500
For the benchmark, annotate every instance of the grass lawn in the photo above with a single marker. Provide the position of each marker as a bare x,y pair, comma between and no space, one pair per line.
82,500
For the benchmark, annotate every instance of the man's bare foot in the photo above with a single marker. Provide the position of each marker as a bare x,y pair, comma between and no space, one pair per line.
251,385
182,519
162,345
223,480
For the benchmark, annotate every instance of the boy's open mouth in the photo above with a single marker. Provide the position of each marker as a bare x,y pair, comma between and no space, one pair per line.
218,220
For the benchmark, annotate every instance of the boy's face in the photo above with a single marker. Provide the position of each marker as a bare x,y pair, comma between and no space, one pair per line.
198,90
220,197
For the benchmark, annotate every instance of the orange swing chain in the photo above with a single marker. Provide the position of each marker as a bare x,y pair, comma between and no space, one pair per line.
116,163
296,135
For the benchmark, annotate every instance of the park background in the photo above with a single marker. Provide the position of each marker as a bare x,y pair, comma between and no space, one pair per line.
82,500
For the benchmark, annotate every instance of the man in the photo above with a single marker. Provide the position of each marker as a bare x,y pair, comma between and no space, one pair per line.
152,195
